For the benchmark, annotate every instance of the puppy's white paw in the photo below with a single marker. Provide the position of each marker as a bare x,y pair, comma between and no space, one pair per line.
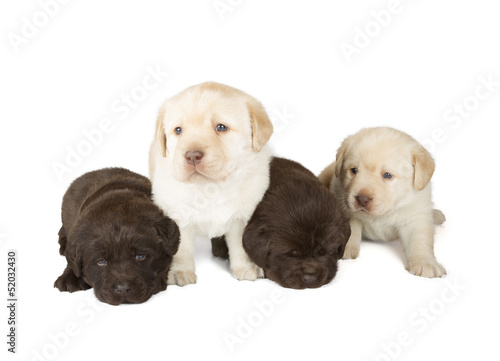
249,272
426,268
181,278
351,252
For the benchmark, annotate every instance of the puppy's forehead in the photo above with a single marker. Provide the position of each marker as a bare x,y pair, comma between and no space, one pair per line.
199,104
374,152
123,236
120,246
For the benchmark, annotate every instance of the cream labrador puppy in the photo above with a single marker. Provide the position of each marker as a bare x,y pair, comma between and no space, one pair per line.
209,167
382,177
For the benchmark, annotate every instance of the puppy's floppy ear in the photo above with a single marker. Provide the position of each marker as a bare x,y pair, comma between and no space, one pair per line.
339,161
256,243
160,136
341,250
74,258
335,247
169,232
341,237
423,165
262,128
339,233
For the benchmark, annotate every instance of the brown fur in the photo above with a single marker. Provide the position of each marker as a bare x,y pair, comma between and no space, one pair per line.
109,215
297,232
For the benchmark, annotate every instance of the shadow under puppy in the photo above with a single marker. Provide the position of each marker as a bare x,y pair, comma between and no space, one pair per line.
115,238
297,232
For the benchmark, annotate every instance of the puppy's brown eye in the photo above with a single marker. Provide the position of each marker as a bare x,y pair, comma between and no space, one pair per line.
102,262
140,257
221,128
354,170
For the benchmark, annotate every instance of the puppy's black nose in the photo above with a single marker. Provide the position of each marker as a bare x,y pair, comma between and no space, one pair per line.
193,157
363,200
122,288
310,273
309,278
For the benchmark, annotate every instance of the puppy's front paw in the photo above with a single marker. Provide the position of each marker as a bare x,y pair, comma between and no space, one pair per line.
181,278
351,252
68,282
249,272
426,268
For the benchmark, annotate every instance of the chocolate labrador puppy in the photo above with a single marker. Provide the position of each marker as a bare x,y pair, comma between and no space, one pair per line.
297,232
115,238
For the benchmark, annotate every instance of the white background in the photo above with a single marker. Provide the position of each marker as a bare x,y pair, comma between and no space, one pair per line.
413,73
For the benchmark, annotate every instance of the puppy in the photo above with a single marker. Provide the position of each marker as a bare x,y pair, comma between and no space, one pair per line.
210,168
382,178
297,232
115,238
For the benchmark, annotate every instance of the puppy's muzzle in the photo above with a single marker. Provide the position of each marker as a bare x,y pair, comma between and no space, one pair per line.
122,288
193,157
363,200
309,278
310,274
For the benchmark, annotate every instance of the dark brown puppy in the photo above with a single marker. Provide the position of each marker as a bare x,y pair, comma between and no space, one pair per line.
297,232
115,238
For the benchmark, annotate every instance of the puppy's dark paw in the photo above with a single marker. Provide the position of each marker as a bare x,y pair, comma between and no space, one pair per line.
219,247
68,282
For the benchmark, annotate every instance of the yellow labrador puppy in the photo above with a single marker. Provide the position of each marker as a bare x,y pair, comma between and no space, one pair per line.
382,177
210,168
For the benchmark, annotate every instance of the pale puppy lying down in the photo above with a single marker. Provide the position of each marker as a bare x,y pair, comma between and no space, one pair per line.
382,178
210,168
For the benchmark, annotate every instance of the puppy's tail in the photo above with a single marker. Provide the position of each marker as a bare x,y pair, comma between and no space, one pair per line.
438,217
327,174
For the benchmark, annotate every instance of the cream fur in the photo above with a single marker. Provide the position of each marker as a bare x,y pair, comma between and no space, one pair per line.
217,196
400,207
